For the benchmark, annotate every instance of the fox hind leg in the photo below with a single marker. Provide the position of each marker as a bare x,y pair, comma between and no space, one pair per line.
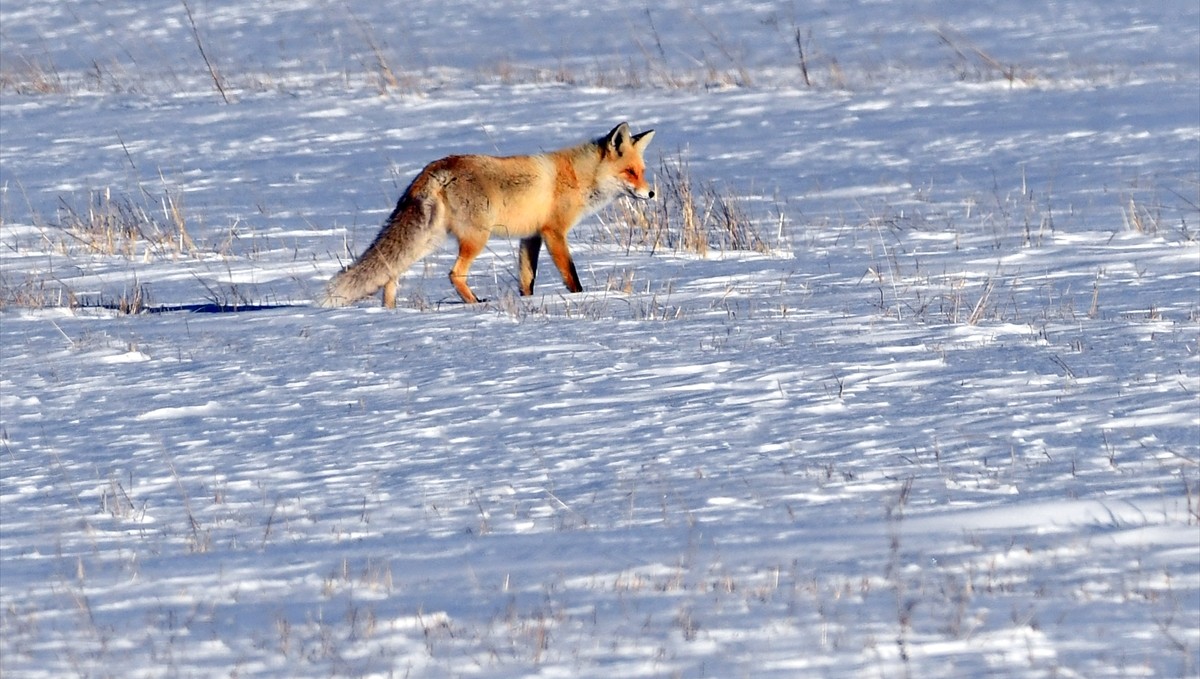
469,248
389,294
413,241
527,269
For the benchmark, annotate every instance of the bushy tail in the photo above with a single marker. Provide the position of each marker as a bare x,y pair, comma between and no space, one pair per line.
352,284
411,232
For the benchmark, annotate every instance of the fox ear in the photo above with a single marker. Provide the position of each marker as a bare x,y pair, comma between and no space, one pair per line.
641,140
616,140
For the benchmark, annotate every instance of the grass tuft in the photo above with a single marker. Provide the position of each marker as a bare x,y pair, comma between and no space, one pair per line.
119,225
684,217
32,77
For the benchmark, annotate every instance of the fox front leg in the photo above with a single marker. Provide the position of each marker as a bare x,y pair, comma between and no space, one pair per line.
556,244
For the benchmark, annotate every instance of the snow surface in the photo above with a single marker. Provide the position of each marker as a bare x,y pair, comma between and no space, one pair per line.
947,426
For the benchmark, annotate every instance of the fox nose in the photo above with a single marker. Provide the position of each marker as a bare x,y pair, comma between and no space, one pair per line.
650,194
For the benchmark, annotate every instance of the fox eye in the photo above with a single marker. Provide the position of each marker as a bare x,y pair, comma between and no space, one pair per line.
631,174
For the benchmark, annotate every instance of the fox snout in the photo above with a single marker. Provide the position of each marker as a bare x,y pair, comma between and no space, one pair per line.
636,186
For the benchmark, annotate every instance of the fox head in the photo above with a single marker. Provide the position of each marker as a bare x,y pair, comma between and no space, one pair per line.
621,154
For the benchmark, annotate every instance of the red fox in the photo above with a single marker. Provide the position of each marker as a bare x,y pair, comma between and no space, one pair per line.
535,198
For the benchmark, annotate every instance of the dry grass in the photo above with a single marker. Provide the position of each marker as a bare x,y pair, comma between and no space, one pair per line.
109,225
1141,218
35,292
49,293
120,225
683,218
30,77
715,58
719,61
973,64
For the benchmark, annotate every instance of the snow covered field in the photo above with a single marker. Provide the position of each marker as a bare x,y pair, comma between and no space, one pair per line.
946,424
